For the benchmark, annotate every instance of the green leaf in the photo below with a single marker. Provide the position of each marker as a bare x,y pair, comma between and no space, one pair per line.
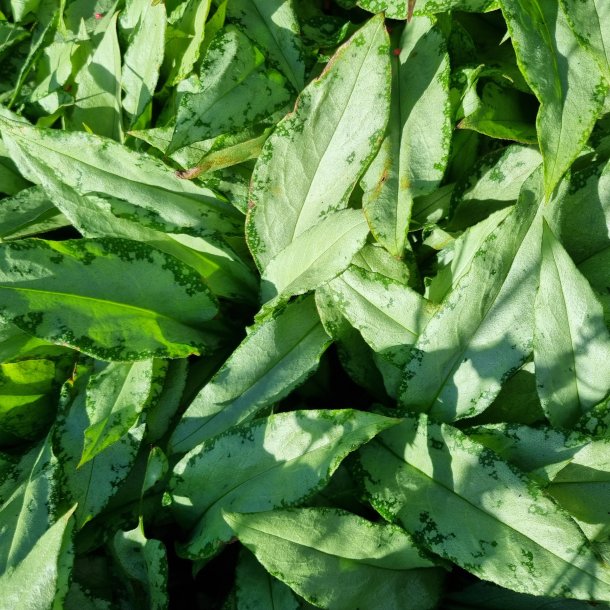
233,92
316,256
185,36
571,92
277,461
411,160
399,9
20,8
95,482
483,329
33,583
316,155
276,356
572,343
337,560
142,60
91,164
589,20
274,27
255,589
144,562
126,314
116,396
461,501
11,181
97,106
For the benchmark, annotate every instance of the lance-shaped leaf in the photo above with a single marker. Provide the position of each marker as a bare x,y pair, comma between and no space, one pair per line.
11,181
116,396
590,20
463,502
91,164
38,580
144,562
95,482
572,343
273,25
26,507
276,356
97,106
313,160
277,461
403,9
143,302
564,76
412,158
317,255
256,588
142,60
483,329
338,560
234,91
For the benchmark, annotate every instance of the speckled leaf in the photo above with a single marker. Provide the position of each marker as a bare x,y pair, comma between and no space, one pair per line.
91,164
572,343
388,314
483,329
411,160
94,483
276,356
316,256
464,503
339,561
143,303
33,584
313,160
144,562
274,27
256,589
142,60
234,91
27,509
399,9
185,36
97,106
116,395
277,461
571,92
591,23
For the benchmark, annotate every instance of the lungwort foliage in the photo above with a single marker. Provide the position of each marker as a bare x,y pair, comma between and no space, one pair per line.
304,304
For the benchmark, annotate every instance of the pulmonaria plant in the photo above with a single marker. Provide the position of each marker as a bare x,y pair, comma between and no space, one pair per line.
304,304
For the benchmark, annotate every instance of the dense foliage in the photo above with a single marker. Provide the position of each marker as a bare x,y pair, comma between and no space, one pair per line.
304,304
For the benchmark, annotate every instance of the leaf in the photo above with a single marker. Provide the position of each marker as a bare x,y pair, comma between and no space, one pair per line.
144,562
571,92
401,9
142,60
127,314
116,396
33,583
338,560
316,155
411,160
274,27
91,164
276,356
316,255
11,181
234,91
572,343
255,589
589,20
464,503
21,8
97,106
96,481
451,372
277,461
